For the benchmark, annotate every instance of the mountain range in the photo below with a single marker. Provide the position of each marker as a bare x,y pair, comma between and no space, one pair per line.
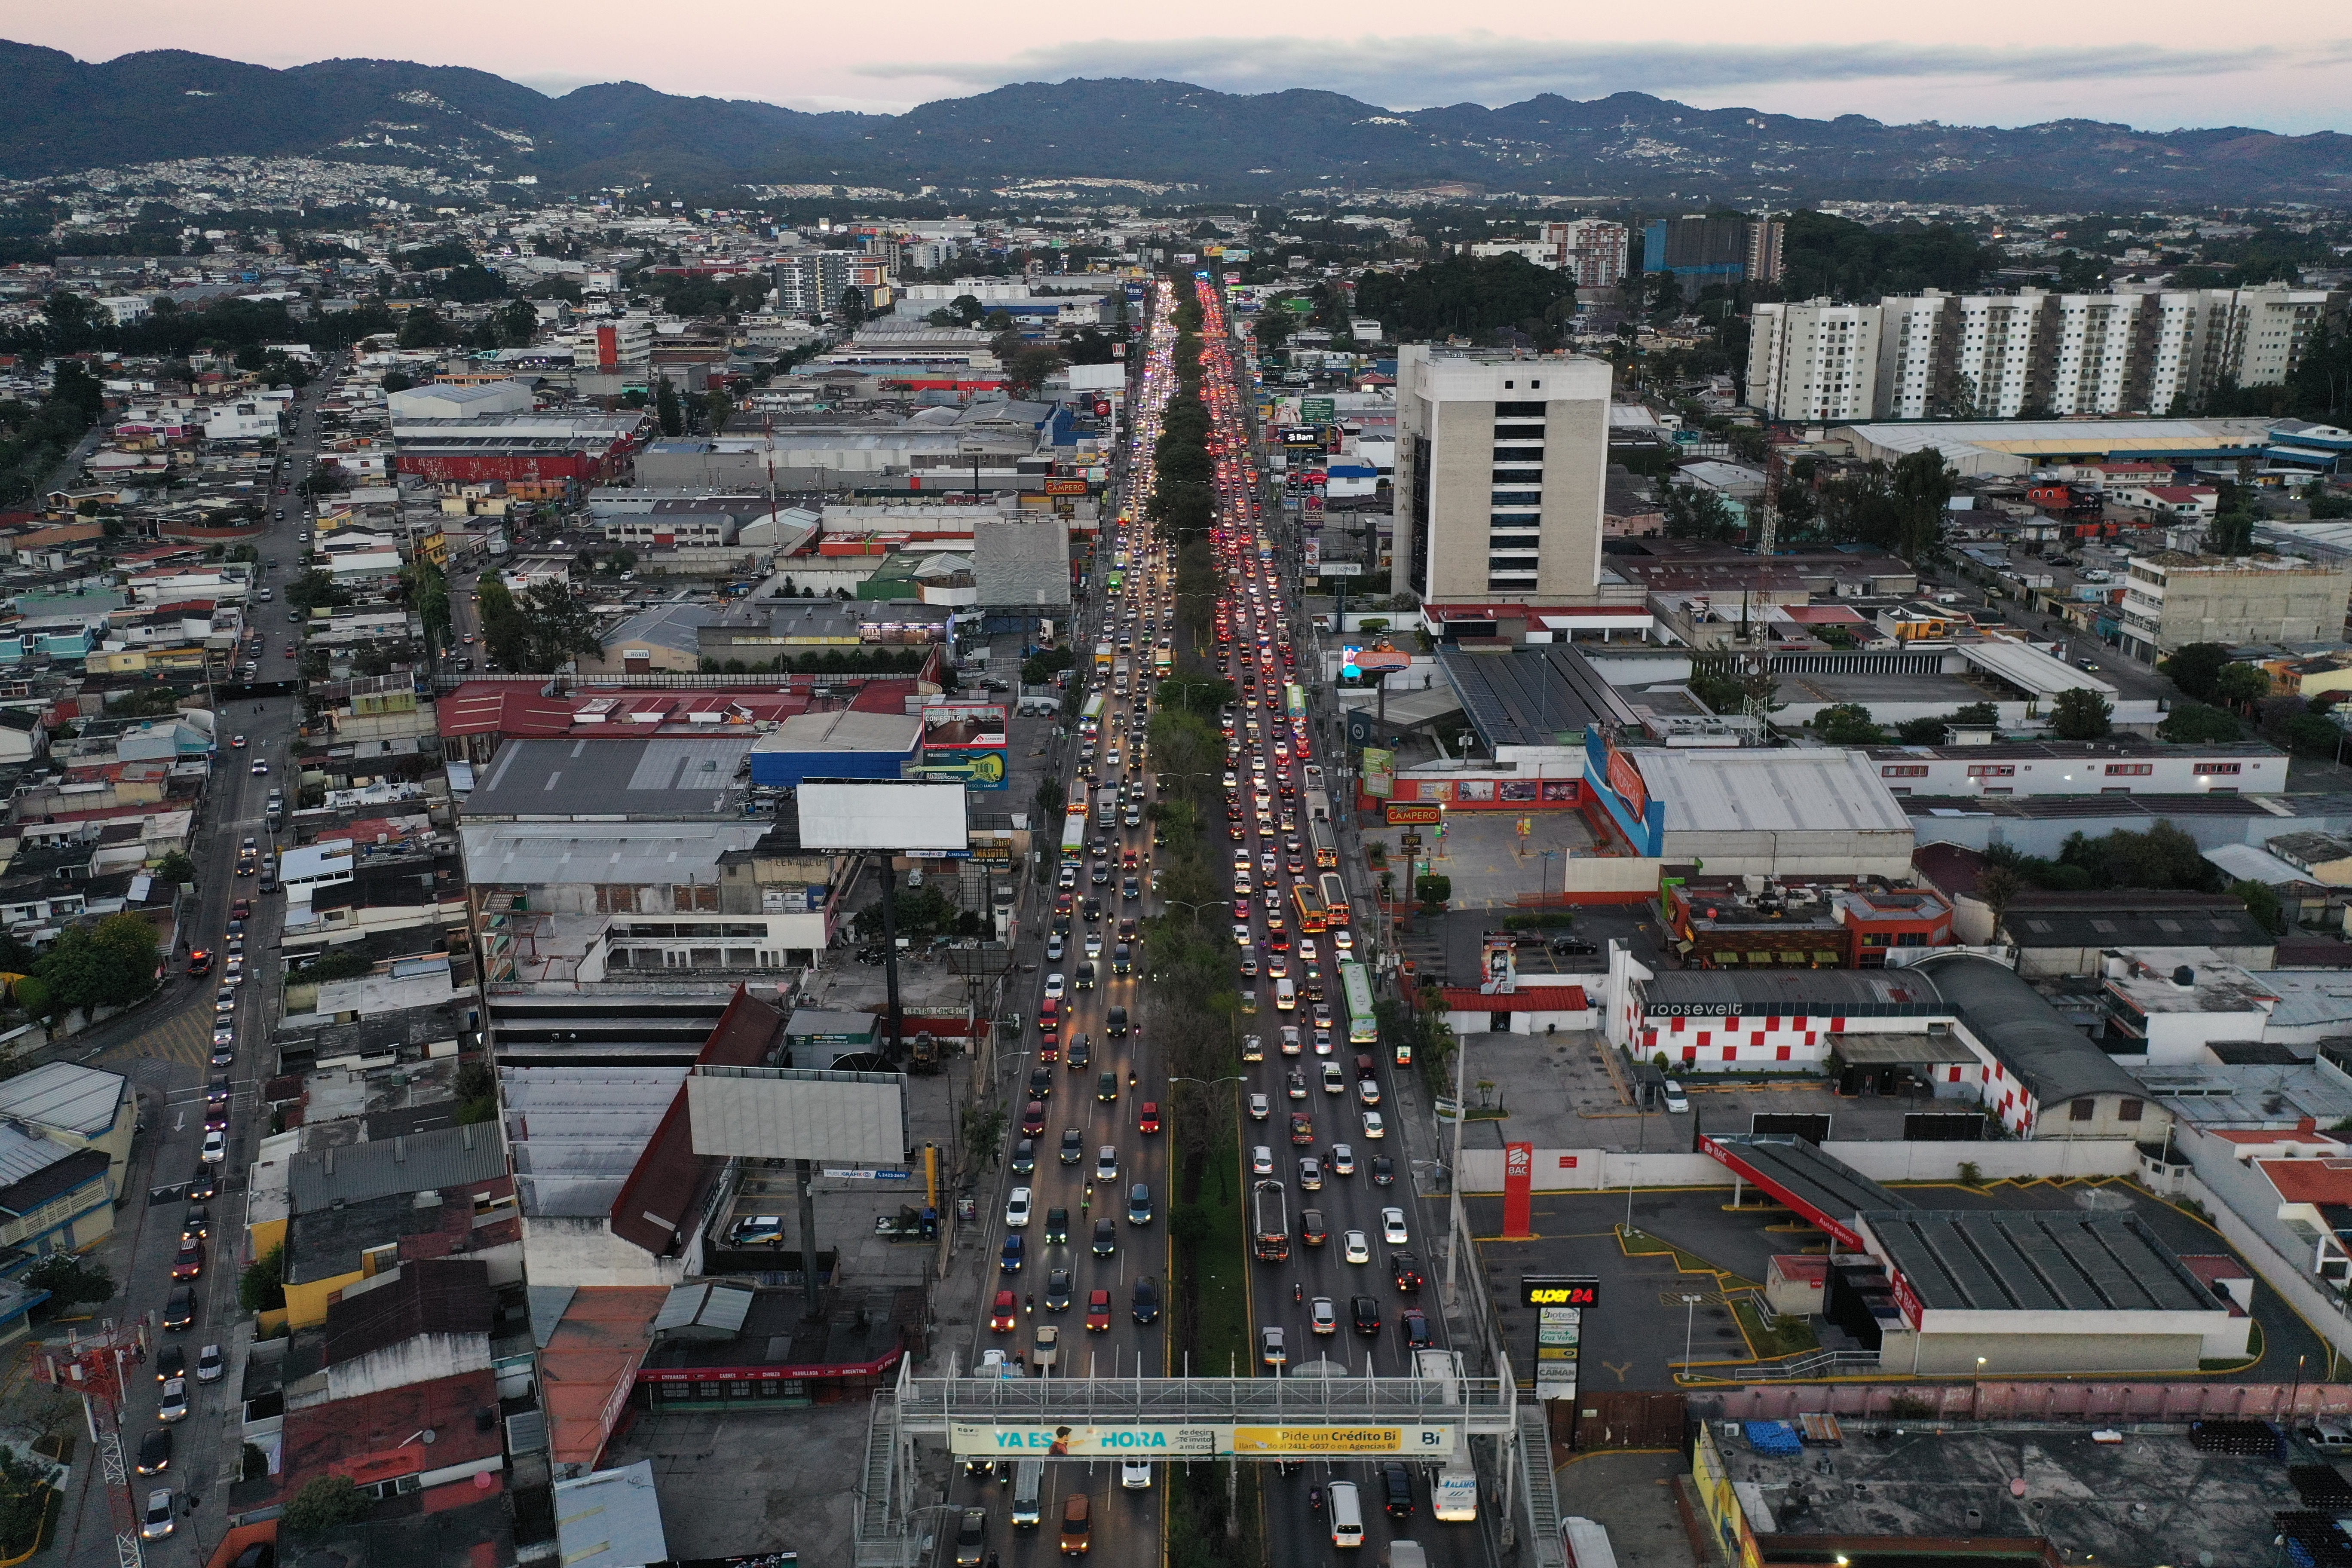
61,116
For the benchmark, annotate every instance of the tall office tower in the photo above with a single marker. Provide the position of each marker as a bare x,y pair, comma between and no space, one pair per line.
1500,471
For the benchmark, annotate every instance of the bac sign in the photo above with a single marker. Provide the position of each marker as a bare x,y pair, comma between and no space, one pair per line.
1560,1291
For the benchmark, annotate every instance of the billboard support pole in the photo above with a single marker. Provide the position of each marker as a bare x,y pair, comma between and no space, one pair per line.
891,957
801,1169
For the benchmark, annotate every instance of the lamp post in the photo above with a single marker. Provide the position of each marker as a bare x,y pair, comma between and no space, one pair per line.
1690,1317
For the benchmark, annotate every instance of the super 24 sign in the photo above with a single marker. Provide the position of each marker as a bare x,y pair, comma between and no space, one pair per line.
1558,1291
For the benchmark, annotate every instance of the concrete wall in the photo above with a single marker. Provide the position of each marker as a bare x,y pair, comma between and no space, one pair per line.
1947,1354
564,1250
1614,875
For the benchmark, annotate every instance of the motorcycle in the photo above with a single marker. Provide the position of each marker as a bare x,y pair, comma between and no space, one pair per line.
1315,1499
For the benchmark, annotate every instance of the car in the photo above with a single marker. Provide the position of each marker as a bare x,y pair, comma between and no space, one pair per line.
1105,1242
1676,1100
1310,1174
215,1148
1057,1227
1574,946
189,1262
160,1517
1302,1130
1148,1118
1093,944
1368,1093
1295,1084
1041,1083
1311,1229
1082,1052
1334,1080
209,1365
1271,1347
1383,1170
1024,1152
1145,1305
203,1186
1106,1163
1374,1127
757,1230
1290,1040
1032,1119
1074,1146
1053,948
1343,1159
2088,663
1003,1314
1260,1106
1015,1252
1322,1318
1017,1206
1115,1024
971,1538
1135,1475
1356,1247
1055,988
1138,1203
1057,1290
173,1403
1261,1161
155,1451
260,769
1098,1311
1413,1324
237,742
1392,1227
1107,1087
1365,1313
1045,1345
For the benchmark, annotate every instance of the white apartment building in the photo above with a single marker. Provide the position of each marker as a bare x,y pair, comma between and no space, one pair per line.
1593,250
1815,359
2004,356
1500,475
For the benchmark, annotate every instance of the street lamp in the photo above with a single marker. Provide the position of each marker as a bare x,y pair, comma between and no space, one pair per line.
1690,1317
1196,908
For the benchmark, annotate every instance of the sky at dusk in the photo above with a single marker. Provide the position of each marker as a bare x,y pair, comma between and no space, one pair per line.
2002,62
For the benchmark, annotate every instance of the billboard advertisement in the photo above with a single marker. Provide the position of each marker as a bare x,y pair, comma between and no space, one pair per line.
1143,1441
965,742
881,814
1380,776
1406,813
1302,439
798,1113
1316,410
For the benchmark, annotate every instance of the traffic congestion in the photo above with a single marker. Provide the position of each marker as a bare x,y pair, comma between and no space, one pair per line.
1336,1277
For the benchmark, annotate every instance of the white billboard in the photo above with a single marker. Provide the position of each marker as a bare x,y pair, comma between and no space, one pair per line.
881,814
798,1113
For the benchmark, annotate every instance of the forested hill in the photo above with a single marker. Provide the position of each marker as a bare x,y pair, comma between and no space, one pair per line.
61,115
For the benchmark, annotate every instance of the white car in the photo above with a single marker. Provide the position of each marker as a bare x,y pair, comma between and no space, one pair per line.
215,1149
1135,1475
1261,1161
1392,1226
1056,987
1343,942
1676,1100
1106,1163
1017,1207
1260,1108
1322,1318
1356,1247
1241,935
174,1404
160,1520
1373,1126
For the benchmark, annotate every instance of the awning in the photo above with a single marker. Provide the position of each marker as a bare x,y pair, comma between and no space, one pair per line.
1900,1050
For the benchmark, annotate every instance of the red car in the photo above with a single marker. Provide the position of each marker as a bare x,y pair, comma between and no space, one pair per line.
1148,1118
1004,1315
190,1260
1097,1311
1032,1120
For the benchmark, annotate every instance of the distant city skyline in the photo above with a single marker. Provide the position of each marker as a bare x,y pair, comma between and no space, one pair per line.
2152,68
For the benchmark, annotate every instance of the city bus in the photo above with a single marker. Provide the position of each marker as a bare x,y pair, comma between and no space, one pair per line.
1308,901
1090,716
1326,846
1363,1026
1334,895
1074,833
1106,806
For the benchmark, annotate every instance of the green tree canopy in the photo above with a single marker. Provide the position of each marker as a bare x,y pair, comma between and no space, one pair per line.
2082,714
1848,724
2194,667
2196,724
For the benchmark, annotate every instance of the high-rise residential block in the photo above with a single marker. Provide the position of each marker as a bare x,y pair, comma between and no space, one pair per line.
1501,473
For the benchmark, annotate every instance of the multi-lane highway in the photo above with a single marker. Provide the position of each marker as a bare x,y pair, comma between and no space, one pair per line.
1346,1296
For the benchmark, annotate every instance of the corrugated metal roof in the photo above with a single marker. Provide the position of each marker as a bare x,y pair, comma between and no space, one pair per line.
704,1311
447,1157
1822,791
64,1095
611,1519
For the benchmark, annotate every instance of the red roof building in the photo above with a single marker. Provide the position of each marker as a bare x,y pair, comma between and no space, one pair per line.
406,1439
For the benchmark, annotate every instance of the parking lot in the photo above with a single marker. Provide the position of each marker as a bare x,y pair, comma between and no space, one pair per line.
1640,1328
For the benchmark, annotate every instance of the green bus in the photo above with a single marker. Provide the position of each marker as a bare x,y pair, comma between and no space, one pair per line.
1364,1028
